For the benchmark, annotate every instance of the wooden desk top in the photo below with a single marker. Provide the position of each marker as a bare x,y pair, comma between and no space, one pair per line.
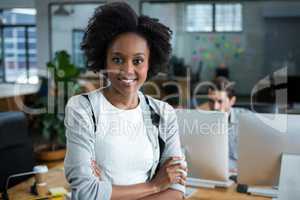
56,178
223,194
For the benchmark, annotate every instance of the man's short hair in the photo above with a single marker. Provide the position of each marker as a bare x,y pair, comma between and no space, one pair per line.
223,84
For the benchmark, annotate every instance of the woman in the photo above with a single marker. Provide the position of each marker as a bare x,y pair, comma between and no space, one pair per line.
120,143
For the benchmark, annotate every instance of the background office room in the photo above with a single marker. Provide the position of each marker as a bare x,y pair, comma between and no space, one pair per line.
232,80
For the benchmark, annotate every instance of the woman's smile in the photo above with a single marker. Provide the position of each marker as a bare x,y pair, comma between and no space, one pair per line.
128,63
127,81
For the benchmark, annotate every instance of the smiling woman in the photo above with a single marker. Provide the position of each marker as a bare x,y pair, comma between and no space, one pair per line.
113,152
131,59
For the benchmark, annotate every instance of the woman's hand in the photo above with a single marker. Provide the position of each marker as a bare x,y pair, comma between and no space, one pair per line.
172,171
96,170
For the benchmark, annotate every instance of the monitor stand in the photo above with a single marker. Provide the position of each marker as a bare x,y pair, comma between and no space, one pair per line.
263,191
289,181
196,182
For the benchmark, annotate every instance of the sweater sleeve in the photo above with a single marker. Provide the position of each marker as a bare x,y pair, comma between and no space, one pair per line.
173,146
80,151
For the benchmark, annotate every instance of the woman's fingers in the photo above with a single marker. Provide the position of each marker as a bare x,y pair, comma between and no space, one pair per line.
171,160
177,178
173,168
182,181
177,173
183,172
96,170
175,162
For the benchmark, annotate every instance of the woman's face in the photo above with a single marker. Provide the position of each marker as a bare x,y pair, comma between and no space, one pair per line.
127,63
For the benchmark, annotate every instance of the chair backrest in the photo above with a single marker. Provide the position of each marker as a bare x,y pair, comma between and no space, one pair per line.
16,151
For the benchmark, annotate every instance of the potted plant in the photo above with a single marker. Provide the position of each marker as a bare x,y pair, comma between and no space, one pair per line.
51,124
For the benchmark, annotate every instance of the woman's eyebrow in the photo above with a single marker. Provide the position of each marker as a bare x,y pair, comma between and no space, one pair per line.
117,53
121,54
139,54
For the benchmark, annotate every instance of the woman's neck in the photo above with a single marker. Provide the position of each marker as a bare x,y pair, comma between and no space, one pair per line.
119,100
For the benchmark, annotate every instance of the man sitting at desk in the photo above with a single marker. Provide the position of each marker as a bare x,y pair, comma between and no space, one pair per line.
222,97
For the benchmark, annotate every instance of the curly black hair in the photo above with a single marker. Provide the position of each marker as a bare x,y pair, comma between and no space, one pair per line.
113,19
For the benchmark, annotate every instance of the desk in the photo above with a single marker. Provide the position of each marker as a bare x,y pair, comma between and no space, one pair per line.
56,178
223,194
15,89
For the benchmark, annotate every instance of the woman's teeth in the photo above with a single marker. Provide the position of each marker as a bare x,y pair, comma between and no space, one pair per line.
128,81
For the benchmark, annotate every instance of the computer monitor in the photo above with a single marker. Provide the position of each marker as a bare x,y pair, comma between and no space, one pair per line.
262,140
204,138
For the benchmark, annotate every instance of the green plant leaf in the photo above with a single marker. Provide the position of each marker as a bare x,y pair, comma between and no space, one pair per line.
52,124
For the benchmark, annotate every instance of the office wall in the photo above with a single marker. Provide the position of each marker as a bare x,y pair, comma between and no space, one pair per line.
248,56
243,53
62,26
43,30
168,15
43,24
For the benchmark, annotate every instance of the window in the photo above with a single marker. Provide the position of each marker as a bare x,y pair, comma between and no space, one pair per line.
228,17
18,52
199,17
225,17
77,54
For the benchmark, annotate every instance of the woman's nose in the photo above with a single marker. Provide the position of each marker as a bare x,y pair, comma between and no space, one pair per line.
128,67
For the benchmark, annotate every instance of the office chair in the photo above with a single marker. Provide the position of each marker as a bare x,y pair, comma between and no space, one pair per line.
16,150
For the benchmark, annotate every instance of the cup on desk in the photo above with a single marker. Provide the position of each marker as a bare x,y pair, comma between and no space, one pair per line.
41,186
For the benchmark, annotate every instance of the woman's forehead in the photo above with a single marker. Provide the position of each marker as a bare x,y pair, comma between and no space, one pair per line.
129,44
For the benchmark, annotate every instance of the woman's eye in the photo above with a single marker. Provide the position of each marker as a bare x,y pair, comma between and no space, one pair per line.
137,61
117,60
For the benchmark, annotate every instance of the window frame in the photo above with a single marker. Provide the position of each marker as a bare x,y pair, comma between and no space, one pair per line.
74,32
26,27
228,3
213,3
185,17
213,16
